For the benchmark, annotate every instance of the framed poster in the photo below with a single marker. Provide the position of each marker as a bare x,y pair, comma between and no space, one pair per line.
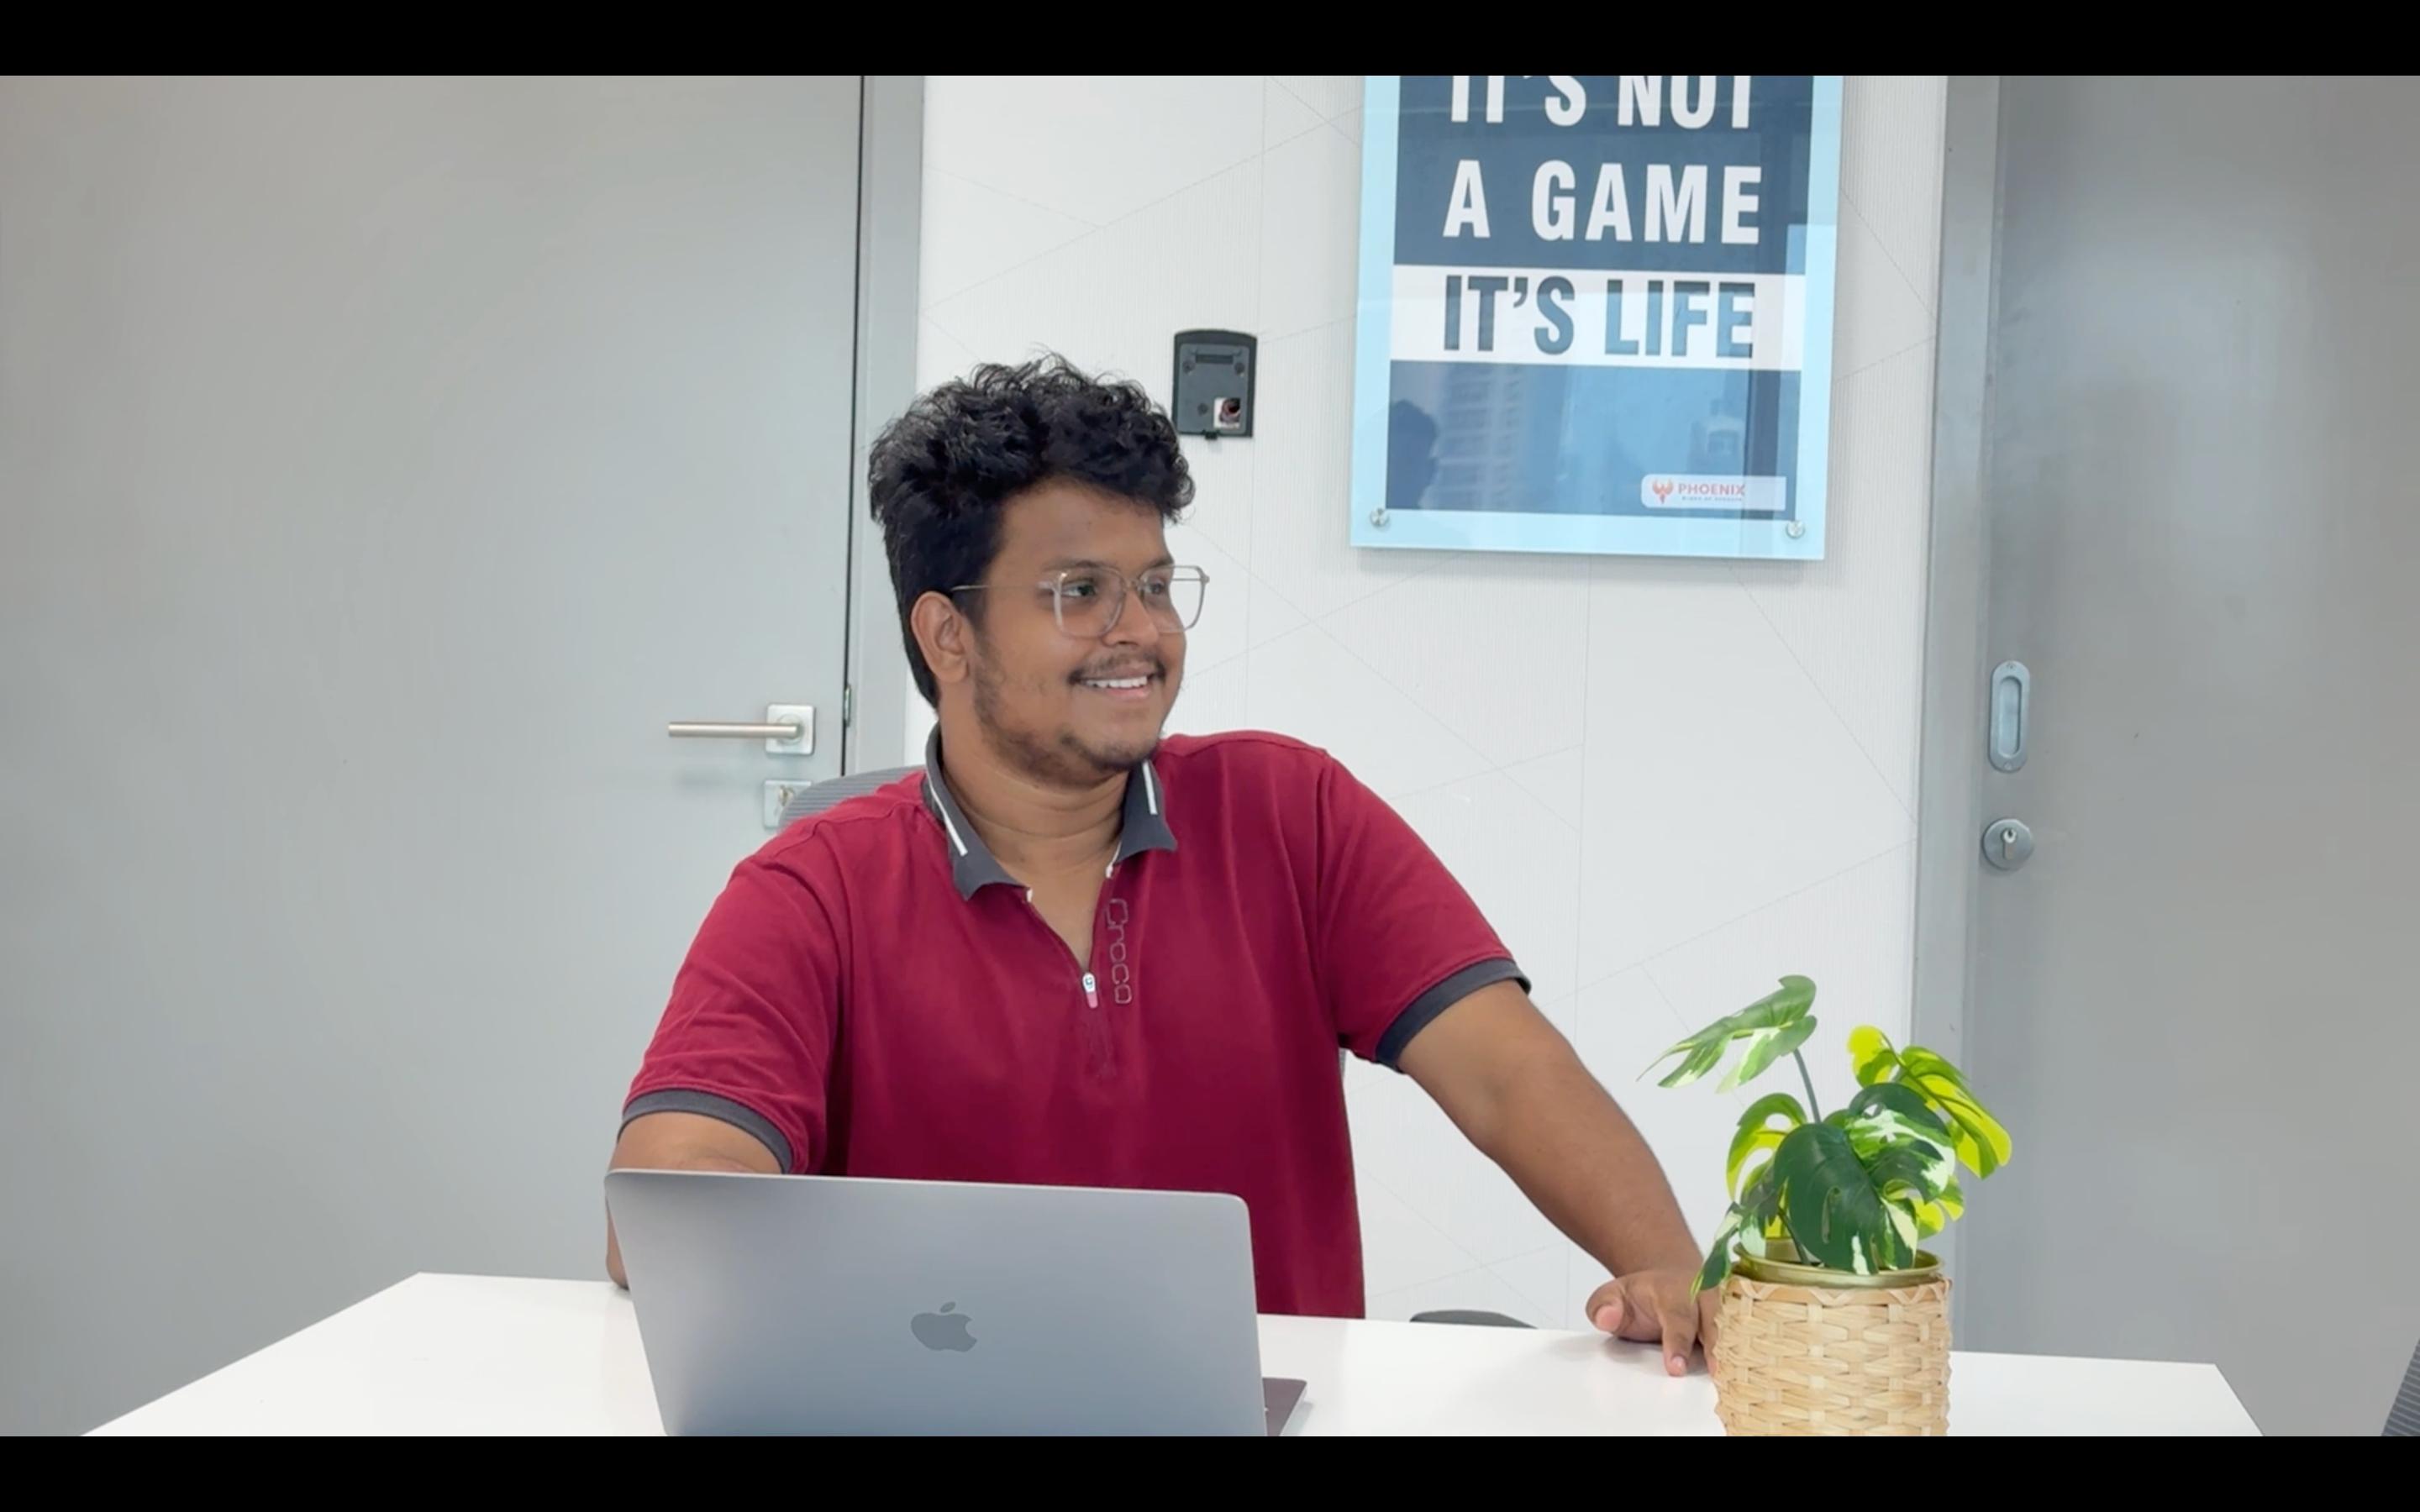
1596,313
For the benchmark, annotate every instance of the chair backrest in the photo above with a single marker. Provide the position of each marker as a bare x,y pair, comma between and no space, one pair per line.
2403,1418
824,794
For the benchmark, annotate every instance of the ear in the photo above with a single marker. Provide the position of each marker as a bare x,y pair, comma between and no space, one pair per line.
943,635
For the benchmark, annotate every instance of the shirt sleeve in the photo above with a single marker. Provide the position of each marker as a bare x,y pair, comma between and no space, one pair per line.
748,1034
1399,940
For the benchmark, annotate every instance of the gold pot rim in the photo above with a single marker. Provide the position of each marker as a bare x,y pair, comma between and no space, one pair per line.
1774,1271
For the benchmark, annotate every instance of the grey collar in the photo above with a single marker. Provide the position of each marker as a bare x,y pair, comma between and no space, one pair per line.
972,866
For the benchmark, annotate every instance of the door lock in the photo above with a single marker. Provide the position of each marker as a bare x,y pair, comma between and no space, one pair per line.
2008,844
778,794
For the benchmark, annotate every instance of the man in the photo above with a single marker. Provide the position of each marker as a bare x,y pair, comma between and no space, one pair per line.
1072,953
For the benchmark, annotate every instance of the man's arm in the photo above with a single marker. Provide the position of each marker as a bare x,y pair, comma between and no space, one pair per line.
681,1142
1512,1084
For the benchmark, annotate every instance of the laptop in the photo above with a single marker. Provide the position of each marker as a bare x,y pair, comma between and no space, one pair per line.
826,1305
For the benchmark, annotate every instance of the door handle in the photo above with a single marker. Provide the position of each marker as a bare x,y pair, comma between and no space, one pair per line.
2012,700
715,729
787,730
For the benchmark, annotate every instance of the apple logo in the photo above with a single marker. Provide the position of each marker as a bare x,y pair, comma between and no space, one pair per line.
944,1329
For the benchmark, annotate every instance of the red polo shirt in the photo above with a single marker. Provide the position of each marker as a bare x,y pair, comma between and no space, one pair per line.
873,994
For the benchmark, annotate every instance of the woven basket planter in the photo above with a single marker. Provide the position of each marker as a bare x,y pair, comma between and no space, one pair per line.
1808,1351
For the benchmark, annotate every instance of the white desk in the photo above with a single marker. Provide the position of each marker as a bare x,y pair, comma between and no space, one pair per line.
460,1354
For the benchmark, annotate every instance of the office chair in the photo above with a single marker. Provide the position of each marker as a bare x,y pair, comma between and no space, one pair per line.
816,800
823,794
2403,1418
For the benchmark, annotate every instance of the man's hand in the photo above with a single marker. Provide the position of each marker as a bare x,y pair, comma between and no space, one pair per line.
1654,1306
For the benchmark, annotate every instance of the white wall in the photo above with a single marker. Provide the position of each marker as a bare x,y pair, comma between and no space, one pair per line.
1667,783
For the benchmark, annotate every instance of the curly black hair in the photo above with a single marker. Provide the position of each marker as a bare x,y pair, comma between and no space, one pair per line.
939,473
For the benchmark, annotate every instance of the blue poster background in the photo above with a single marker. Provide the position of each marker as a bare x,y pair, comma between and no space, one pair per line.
1510,455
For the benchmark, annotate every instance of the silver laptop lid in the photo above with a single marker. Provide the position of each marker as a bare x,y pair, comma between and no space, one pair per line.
839,1304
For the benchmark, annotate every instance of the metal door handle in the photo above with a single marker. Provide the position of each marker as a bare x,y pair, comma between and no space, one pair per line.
787,730
733,732
2012,698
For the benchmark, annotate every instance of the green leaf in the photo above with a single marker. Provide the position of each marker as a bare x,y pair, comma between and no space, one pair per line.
1718,1257
1913,1167
1932,1216
1746,1223
1760,1205
1764,1049
1704,1055
1890,1116
1835,1207
1888,1113
1871,1053
1907,1175
1756,1132
1889,1119
1762,1021
1982,1143
1877,1097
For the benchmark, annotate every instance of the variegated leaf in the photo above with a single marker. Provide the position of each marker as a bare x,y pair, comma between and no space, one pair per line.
1977,1137
1756,1133
1718,1255
1931,1217
1764,1049
1908,1175
1982,1143
1870,1054
1912,1189
1834,1205
1761,1022
1745,1225
1888,1113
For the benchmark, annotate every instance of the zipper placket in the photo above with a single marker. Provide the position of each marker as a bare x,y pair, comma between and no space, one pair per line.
1084,973
1096,1032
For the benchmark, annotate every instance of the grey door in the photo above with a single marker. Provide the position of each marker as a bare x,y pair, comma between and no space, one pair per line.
2193,1006
384,463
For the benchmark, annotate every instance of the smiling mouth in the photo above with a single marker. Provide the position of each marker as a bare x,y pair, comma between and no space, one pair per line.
1126,687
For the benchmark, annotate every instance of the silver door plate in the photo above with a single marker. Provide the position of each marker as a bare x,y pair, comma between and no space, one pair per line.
2007,843
778,795
801,715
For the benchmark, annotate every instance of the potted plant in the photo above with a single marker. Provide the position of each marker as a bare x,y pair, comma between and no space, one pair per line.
1834,1319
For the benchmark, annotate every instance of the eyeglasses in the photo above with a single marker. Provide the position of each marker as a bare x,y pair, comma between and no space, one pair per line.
1087,601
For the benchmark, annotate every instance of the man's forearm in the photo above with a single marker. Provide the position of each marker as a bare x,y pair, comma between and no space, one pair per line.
1514,1086
1576,1154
